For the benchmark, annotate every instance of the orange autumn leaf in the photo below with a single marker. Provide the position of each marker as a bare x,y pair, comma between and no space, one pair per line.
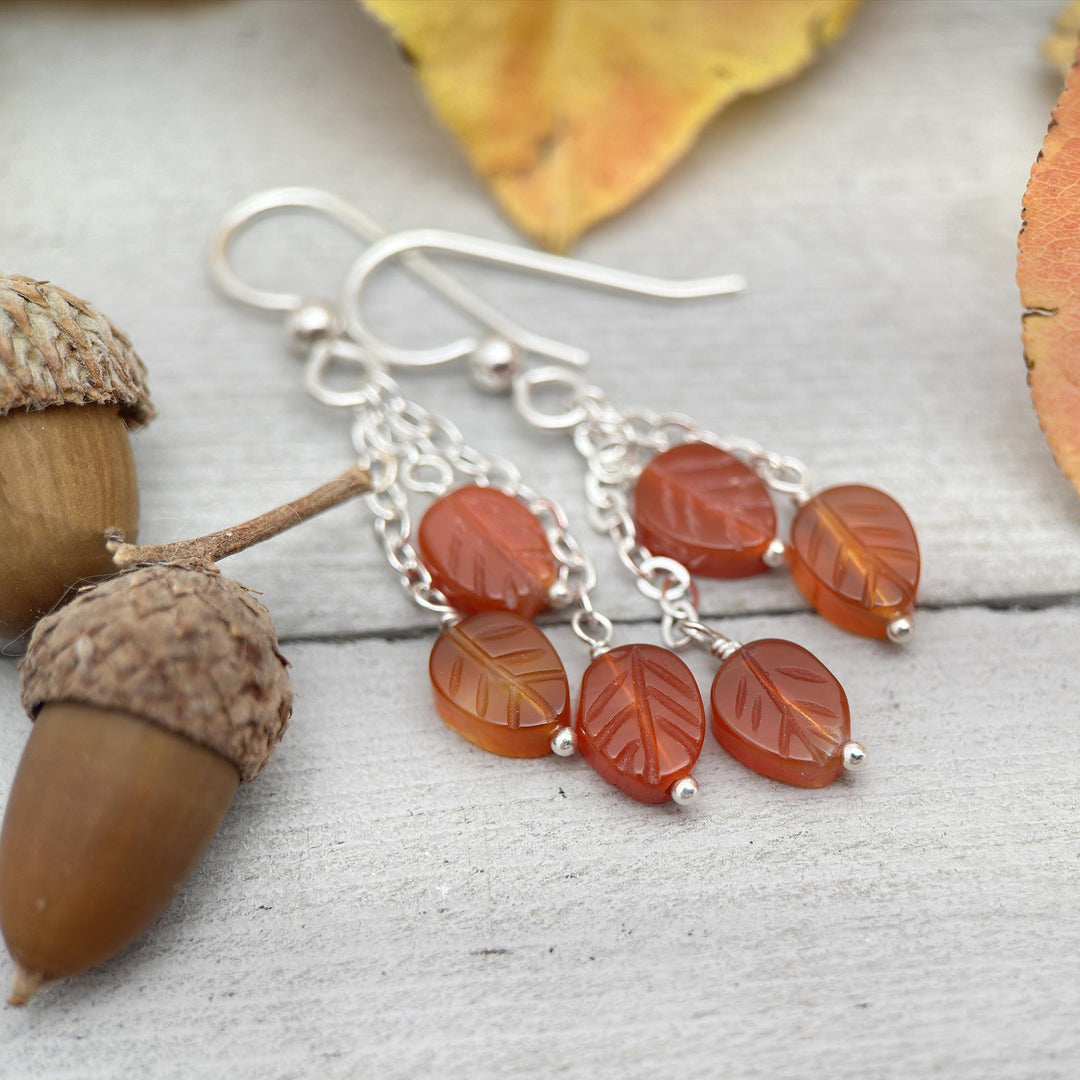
571,109
1048,273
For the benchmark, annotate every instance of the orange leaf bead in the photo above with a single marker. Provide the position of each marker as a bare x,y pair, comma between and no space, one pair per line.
855,557
781,712
486,551
706,508
641,723
499,682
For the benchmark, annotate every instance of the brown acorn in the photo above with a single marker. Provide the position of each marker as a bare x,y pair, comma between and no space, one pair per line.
71,387
154,695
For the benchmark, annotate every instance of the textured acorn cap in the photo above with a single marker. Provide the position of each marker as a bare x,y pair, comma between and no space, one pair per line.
187,649
55,349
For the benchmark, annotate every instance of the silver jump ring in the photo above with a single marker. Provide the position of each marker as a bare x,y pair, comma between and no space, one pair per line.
786,475
439,481
320,359
398,506
529,383
671,635
674,588
382,467
581,622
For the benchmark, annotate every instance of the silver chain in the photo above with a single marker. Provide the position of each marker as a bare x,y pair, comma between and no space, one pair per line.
407,448
616,445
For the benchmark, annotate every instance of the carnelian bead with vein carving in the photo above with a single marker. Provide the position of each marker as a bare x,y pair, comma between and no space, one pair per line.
855,557
641,722
706,508
780,711
486,551
499,682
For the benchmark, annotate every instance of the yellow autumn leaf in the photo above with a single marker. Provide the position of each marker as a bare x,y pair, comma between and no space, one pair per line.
1060,47
571,109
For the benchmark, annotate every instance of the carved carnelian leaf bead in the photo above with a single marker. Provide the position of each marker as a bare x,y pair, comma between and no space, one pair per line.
641,722
499,682
780,711
855,557
486,551
706,508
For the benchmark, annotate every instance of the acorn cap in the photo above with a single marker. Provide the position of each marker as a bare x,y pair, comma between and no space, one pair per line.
184,648
55,349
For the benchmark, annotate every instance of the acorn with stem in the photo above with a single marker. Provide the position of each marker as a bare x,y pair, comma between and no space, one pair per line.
154,695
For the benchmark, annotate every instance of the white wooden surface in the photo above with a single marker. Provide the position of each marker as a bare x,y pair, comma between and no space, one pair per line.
388,901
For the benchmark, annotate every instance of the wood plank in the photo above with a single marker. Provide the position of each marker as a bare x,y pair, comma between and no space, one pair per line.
387,900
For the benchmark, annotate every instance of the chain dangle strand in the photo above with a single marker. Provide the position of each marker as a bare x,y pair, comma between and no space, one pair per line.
409,449
853,552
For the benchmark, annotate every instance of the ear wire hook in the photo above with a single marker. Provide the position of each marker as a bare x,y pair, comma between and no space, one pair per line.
276,200
405,244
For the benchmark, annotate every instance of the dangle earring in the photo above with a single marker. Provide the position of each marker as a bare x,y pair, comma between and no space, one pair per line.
773,705
490,554
706,502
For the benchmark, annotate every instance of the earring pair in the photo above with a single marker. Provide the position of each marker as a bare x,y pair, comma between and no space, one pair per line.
674,498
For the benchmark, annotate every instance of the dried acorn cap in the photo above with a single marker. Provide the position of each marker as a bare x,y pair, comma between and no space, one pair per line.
188,649
55,349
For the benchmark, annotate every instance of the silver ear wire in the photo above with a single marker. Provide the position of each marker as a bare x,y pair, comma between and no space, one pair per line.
497,354
284,199
277,200
406,244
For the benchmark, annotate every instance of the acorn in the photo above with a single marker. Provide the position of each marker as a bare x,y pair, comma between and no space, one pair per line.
71,387
154,695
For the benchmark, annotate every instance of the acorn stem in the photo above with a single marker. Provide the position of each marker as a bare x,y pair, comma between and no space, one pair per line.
219,545
25,986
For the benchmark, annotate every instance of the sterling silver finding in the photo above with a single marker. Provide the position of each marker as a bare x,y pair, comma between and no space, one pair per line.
505,342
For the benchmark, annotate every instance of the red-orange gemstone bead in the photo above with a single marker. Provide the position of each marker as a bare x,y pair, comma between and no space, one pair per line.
641,723
706,508
486,551
855,557
499,682
780,711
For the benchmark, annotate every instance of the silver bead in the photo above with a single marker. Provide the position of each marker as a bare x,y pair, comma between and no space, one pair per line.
900,630
493,365
855,756
560,595
564,742
685,791
313,321
776,554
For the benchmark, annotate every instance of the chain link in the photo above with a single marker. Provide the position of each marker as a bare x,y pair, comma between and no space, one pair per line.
616,446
